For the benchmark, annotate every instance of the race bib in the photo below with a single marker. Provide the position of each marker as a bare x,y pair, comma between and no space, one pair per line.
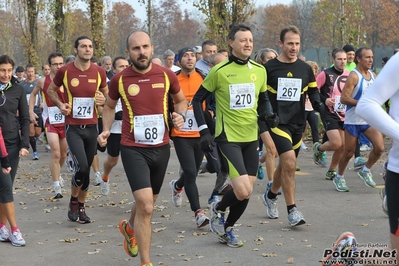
289,89
83,108
55,116
338,106
190,124
242,96
149,129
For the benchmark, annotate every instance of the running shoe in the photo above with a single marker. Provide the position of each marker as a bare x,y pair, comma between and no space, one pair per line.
217,220
261,174
230,239
58,192
346,241
83,218
367,177
129,243
271,205
62,182
16,239
4,234
47,148
297,168
73,211
211,199
303,147
359,162
35,156
98,179
317,155
324,159
202,168
295,217
104,187
331,174
365,147
177,197
201,219
340,184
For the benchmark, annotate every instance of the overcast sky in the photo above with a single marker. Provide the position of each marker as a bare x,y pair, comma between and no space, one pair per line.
140,9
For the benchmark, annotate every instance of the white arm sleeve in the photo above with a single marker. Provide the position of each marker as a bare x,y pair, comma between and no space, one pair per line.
385,87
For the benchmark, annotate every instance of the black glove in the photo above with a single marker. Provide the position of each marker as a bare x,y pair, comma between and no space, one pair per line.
207,141
272,120
319,107
5,163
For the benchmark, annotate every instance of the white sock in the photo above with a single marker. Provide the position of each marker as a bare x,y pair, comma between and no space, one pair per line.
56,183
365,168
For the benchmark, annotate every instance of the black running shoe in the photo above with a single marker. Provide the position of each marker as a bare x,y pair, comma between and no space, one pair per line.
73,211
83,218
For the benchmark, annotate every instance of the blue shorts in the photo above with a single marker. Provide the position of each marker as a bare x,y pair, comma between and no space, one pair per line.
355,130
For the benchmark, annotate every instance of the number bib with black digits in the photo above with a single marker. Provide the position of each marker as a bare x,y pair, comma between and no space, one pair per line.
149,129
289,89
242,96
190,124
338,106
83,108
55,116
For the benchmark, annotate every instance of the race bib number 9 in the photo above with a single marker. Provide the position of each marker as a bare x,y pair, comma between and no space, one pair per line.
242,96
55,116
191,123
289,89
338,106
149,129
83,108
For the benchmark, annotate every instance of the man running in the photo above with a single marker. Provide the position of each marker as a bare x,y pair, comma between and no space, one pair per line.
239,86
289,80
358,82
85,86
330,83
54,122
114,140
143,89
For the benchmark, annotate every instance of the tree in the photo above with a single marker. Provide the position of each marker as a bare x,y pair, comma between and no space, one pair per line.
275,18
96,9
383,15
120,23
221,15
304,21
341,21
26,12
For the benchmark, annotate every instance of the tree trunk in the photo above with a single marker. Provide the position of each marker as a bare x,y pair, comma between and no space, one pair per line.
97,26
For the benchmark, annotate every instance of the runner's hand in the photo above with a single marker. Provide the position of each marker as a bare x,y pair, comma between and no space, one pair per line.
23,152
102,138
178,120
65,108
272,120
207,141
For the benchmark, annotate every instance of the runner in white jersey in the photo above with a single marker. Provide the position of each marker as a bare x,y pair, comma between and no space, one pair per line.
369,107
358,82
113,144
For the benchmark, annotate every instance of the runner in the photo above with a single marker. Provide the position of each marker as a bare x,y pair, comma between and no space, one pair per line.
143,89
358,82
239,86
85,86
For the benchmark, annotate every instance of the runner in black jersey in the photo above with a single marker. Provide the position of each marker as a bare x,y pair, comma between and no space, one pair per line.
239,85
289,80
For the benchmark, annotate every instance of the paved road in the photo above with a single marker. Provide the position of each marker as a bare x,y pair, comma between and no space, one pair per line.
52,240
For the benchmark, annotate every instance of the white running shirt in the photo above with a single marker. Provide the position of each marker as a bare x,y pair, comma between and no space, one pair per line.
386,86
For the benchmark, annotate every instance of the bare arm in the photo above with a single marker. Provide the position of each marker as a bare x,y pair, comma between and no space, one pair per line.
32,99
348,89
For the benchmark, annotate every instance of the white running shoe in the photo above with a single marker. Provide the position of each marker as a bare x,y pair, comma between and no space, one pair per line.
104,187
98,179
4,234
177,197
16,239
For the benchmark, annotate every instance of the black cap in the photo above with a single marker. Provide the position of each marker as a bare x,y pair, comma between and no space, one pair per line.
183,51
348,48
19,69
